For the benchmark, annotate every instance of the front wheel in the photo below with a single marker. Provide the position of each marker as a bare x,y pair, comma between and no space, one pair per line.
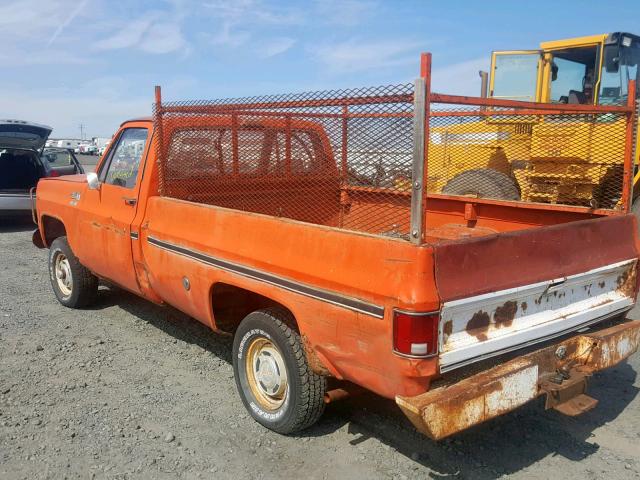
273,377
74,285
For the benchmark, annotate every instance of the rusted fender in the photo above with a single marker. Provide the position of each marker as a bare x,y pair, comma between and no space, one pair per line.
450,409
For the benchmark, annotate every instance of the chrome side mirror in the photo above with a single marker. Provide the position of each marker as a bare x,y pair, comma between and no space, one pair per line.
92,181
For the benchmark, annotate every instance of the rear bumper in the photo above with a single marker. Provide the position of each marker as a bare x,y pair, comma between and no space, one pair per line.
446,410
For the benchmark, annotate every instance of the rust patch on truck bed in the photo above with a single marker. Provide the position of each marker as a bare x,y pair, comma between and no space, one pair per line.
505,314
626,282
478,325
447,329
480,322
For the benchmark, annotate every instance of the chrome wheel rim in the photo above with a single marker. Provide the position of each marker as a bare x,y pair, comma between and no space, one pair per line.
62,270
266,374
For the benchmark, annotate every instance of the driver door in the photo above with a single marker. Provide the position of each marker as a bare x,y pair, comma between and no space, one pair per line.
107,213
516,75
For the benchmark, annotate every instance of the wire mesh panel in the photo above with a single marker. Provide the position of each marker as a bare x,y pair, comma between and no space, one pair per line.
335,158
346,158
556,155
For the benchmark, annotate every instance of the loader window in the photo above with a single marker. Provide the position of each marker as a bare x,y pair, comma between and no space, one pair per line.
515,76
621,65
573,75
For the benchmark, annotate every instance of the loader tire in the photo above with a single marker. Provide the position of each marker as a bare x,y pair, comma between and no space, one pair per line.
273,377
483,183
73,284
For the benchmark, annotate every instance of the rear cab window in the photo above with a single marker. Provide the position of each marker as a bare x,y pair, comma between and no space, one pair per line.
261,151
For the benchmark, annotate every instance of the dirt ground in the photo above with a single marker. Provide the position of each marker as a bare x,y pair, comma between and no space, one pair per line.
131,390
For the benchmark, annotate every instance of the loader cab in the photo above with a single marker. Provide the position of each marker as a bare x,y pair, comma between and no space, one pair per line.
592,70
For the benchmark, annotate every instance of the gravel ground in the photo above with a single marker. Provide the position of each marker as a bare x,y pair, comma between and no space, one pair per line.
131,390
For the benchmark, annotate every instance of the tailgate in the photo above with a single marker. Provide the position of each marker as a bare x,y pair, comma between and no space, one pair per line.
507,291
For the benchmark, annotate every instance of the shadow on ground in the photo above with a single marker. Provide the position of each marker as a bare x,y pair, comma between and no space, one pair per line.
22,223
502,446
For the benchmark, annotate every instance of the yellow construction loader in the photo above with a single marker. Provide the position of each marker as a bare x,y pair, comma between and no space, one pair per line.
517,153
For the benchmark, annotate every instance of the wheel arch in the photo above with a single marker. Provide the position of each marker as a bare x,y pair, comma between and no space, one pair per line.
230,304
51,228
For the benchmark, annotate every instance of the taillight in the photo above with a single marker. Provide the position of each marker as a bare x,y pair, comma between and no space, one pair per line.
415,334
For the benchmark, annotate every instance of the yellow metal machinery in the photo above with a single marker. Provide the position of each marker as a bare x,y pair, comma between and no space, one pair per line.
516,151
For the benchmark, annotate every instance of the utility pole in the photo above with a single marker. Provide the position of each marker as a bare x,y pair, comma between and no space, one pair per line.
81,131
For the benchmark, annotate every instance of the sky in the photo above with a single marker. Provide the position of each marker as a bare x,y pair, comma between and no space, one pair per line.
95,62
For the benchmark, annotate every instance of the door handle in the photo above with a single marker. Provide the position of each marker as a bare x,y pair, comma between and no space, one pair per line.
129,201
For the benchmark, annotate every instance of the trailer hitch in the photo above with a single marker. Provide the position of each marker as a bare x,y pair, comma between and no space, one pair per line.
566,391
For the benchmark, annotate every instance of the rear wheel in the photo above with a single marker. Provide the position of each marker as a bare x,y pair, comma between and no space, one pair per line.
273,377
483,183
73,284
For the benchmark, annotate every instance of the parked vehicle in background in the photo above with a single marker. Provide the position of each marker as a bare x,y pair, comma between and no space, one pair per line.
544,159
245,215
86,149
22,164
69,143
103,148
91,150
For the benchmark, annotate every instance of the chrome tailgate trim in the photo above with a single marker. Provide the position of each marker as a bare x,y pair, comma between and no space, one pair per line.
475,328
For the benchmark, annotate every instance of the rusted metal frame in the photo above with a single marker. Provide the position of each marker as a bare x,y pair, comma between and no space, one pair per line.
234,144
451,408
344,177
425,73
529,205
325,102
389,191
266,113
159,139
381,115
287,145
343,149
494,102
627,179
417,174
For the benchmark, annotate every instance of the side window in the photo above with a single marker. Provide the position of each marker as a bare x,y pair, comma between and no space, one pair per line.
302,157
251,150
515,76
124,160
196,151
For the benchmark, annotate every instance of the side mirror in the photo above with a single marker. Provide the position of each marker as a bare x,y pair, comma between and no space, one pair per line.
92,181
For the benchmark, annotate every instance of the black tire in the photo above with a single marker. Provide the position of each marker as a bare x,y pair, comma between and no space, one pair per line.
303,398
483,183
83,286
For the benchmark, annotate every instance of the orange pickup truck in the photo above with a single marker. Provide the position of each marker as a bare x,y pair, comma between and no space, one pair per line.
302,226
